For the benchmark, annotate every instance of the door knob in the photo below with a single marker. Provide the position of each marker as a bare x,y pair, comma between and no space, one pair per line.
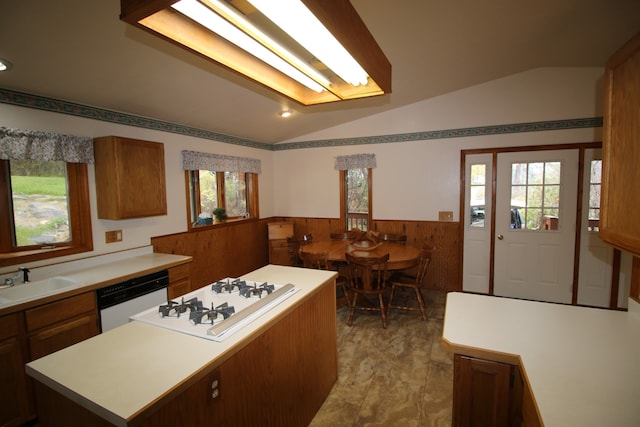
500,237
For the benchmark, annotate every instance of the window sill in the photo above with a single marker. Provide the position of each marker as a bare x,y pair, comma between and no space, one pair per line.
229,222
16,258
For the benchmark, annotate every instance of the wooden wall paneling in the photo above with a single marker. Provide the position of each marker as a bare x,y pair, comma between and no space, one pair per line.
444,273
223,250
233,249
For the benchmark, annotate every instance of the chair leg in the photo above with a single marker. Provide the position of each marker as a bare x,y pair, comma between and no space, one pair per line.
352,309
382,311
391,295
346,294
421,304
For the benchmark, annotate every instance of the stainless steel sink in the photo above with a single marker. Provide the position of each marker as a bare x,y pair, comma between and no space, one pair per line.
35,289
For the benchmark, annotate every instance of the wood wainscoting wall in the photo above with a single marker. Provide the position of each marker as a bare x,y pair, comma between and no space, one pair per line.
235,248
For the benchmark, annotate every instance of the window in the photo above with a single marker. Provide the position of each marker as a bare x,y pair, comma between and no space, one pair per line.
234,191
220,181
595,183
356,196
477,190
535,195
47,214
355,189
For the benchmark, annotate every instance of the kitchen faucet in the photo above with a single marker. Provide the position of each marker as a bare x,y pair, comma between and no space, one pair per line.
25,274
10,281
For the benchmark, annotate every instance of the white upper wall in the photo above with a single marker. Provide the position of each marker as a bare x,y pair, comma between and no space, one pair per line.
138,232
414,180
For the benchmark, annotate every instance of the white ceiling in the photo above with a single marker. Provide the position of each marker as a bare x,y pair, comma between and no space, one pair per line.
80,51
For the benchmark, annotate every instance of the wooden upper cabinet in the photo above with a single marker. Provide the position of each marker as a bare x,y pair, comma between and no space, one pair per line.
130,178
620,198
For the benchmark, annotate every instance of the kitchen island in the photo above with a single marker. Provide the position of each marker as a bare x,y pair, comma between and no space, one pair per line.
275,371
573,366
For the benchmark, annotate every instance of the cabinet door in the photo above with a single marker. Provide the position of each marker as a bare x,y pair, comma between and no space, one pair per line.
481,393
130,178
620,199
14,405
279,252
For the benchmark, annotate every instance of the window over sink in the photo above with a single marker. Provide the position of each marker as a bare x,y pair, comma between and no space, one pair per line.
47,214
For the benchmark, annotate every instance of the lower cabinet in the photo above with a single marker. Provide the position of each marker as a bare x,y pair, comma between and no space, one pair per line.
31,334
486,393
14,406
179,280
52,327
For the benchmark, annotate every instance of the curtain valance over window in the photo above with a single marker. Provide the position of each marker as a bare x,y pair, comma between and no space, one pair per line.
16,144
355,161
194,160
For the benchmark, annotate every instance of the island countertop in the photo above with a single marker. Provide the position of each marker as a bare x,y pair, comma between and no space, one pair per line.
127,370
580,363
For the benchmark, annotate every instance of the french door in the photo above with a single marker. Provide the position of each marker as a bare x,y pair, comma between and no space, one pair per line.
519,217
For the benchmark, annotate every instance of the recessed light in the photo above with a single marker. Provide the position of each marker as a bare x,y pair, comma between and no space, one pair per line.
4,64
285,113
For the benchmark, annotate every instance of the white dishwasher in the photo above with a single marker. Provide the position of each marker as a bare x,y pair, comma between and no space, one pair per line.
117,302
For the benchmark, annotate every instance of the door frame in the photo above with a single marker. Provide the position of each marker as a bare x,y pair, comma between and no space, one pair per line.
581,147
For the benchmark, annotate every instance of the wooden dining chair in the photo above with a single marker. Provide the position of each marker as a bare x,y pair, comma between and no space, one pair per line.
294,244
367,278
353,234
319,261
392,237
408,281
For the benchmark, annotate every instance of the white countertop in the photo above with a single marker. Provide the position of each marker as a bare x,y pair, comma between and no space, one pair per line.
92,276
125,370
580,363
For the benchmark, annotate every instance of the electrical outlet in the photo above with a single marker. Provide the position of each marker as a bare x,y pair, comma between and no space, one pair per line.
445,215
113,236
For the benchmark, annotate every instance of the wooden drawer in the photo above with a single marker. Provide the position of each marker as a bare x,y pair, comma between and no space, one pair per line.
280,230
63,335
180,272
8,326
179,287
49,314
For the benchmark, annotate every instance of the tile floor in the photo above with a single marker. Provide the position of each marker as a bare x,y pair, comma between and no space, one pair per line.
399,376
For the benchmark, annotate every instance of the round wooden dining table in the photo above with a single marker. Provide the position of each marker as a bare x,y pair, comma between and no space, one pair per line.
400,256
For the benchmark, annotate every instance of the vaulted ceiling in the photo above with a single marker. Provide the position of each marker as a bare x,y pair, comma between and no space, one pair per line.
80,51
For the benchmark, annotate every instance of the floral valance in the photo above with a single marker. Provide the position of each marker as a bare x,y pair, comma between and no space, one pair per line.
355,161
16,144
194,160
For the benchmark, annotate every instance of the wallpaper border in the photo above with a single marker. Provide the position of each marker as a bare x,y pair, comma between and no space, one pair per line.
65,107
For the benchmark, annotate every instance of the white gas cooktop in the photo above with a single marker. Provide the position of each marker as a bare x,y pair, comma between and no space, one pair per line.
217,310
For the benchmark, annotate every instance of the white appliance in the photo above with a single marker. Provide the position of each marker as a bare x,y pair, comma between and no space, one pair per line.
116,303
217,310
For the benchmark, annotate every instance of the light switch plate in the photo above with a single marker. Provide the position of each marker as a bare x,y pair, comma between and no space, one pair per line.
445,215
113,236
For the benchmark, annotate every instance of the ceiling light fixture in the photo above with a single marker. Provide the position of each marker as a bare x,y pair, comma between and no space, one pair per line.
280,44
285,114
4,64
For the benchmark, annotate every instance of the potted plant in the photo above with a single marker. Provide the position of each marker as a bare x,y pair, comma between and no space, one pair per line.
220,214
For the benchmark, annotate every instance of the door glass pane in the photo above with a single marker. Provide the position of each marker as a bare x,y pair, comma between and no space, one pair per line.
535,174
594,195
477,192
535,195
40,203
